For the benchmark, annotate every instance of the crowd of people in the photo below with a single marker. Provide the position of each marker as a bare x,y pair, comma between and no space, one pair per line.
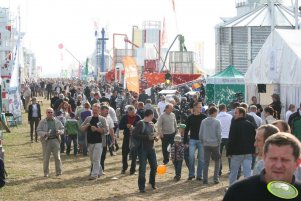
91,115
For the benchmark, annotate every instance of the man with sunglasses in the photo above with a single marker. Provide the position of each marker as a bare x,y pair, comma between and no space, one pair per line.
49,130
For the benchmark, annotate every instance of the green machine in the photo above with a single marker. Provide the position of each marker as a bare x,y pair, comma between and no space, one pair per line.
225,86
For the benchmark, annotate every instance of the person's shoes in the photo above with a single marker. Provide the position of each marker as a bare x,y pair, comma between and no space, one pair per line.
205,182
165,163
59,174
190,178
122,171
199,179
92,178
31,141
46,175
142,190
220,174
177,178
67,153
133,173
154,187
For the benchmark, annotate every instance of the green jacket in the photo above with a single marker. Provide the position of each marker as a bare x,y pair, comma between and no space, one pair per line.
71,127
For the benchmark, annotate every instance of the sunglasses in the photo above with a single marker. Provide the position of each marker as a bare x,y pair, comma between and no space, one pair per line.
49,112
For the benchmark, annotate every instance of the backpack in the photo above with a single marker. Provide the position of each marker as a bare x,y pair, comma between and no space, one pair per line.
3,173
135,143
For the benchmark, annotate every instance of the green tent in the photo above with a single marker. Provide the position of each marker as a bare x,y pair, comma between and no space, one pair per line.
223,86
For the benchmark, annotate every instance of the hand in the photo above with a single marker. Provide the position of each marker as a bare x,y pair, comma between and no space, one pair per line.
156,139
59,133
128,126
93,128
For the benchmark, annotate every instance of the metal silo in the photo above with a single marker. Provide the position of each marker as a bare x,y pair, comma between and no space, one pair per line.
238,40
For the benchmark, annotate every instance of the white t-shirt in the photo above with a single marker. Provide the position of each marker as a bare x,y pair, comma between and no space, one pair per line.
225,120
287,115
161,107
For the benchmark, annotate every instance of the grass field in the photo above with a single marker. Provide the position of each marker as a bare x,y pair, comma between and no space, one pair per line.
24,165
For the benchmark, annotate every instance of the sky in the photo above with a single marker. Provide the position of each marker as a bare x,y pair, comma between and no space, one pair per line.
47,23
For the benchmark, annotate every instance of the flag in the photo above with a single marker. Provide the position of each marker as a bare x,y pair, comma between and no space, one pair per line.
131,72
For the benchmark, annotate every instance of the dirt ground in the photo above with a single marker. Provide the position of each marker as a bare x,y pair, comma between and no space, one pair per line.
23,161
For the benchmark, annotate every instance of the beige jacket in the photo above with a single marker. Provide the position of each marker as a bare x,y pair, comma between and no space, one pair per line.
42,128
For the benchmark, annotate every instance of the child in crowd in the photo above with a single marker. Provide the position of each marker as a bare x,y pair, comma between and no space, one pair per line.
177,155
181,130
71,131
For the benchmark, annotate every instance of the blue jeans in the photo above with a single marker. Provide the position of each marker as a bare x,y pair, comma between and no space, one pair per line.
178,168
236,161
193,145
145,155
168,139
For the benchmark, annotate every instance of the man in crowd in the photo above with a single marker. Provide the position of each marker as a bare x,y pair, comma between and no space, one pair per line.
96,127
295,123
241,144
193,126
108,138
253,110
127,124
161,105
167,127
210,137
281,157
225,120
49,130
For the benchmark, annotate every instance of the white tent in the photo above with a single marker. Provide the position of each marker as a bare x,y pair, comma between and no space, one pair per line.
278,63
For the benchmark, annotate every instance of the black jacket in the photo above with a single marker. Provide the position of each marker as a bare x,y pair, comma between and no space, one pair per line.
255,188
53,100
123,124
30,111
193,125
241,137
293,116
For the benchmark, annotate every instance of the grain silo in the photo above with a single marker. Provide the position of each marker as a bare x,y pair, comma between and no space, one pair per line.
238,40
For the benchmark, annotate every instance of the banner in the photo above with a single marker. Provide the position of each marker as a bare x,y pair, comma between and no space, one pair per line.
131,74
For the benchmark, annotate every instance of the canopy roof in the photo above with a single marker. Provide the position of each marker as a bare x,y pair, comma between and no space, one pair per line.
278,61
228,76
263,16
